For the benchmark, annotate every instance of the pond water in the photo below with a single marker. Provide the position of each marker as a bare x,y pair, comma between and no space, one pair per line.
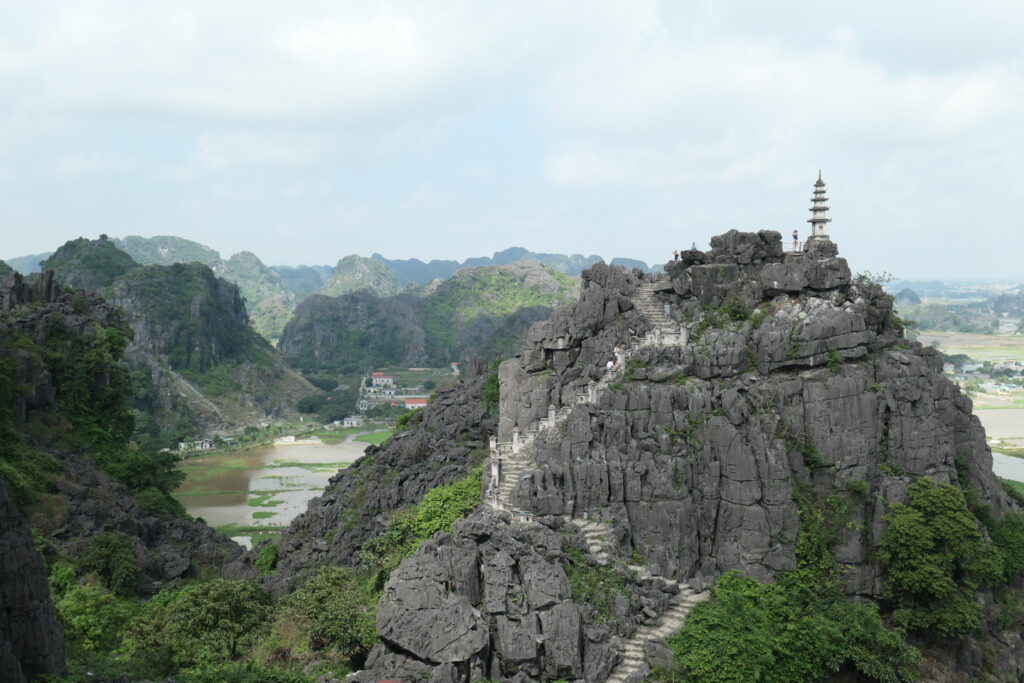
265,486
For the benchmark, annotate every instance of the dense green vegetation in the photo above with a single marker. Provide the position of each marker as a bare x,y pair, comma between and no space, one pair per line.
937,558
89,264
92,392
800,628
228,630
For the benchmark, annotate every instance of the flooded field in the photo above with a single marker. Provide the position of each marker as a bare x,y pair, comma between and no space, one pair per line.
266,486
1002,423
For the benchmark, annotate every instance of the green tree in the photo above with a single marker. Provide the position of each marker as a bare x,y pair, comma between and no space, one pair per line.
202,625
113,558
937,557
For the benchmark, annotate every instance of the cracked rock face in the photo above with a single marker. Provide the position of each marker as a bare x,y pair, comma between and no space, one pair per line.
31,642
794,377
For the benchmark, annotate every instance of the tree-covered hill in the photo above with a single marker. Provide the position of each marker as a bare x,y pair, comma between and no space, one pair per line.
167,249
196,363
269,301
479,311
5,270
89,264
356,272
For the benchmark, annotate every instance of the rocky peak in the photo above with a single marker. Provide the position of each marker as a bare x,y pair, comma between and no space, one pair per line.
741,377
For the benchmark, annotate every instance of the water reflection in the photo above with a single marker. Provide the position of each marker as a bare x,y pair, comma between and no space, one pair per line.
262,486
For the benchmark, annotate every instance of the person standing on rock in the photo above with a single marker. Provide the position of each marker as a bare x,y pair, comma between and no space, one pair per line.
675,254
796,239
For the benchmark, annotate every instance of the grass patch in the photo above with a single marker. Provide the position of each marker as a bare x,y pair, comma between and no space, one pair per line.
262,499
375,437
263,514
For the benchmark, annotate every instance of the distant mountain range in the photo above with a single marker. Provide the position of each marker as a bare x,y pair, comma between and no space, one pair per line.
271,293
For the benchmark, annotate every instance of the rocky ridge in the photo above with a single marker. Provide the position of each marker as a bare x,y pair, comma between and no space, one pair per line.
793,374
81,500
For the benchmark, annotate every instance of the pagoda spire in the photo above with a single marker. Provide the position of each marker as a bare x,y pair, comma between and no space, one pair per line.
819,207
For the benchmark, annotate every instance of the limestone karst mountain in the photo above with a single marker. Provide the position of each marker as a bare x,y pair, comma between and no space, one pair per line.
30,263
415,271
70,481
197,365
355,272
269,302
745,382
164,250
478,311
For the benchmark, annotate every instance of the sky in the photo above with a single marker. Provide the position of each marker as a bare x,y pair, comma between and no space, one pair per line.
306,131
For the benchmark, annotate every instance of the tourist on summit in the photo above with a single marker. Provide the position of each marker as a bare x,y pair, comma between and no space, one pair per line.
609,365
675,254
796,239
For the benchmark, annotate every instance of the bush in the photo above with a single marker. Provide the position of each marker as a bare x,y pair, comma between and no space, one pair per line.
92,618
267,560
337,611
112,557
936,558
405,419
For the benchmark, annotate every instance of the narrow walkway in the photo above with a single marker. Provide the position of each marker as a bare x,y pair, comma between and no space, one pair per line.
634,656
509,460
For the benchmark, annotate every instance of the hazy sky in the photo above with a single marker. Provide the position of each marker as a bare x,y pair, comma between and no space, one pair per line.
310,130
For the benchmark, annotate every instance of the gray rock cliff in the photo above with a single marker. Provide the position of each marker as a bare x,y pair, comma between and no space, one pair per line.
749,373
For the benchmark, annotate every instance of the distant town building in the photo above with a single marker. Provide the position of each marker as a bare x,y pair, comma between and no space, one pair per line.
379,379
190,446
455,368
413,403
363,405
948,368
353,421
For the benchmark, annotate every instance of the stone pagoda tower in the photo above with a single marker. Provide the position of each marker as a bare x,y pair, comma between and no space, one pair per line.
819,207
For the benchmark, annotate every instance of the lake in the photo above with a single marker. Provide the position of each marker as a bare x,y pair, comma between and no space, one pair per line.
265,486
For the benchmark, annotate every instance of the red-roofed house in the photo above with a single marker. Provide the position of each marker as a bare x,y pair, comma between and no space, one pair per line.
413,403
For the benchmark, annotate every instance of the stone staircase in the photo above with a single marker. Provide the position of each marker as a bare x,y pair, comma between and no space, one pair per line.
509,460
664,329
634,658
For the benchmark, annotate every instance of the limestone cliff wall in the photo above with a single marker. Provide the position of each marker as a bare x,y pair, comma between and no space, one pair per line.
31,642
793,374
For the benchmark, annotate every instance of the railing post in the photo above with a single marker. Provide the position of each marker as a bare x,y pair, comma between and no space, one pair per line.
515,439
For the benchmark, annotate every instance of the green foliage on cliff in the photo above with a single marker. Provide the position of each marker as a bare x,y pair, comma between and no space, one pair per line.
491,394
937,557
437,511
800,628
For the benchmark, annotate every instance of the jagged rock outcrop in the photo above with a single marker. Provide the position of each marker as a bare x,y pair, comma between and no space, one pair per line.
444,441
794,376
31,642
